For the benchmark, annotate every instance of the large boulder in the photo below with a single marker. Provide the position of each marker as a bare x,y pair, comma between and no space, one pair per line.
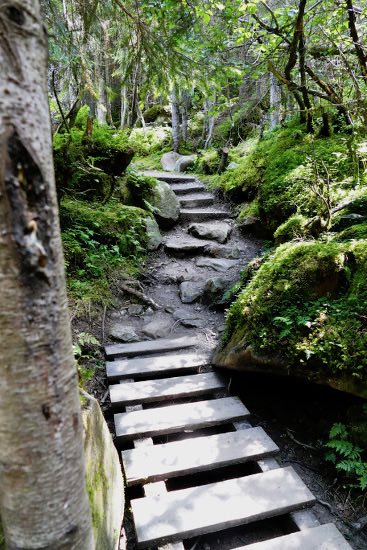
302,314
215,231
103,477
153,234
166,205
174,162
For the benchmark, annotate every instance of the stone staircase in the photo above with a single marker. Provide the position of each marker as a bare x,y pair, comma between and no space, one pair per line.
175,420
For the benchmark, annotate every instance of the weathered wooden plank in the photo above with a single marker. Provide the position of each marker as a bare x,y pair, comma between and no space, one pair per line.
164,420
209,508
147,347
150,366
324,537
168,388
196,455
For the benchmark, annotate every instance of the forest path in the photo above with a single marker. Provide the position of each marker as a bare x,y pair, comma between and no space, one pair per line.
188,449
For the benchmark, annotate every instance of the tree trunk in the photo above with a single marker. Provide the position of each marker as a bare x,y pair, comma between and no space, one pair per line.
43,498
175,120
124,107
275,102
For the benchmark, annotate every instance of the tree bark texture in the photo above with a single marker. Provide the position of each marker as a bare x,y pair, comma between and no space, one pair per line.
43,499
175,119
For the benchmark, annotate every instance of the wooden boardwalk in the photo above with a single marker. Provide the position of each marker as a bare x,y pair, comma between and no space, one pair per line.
182,424
147,409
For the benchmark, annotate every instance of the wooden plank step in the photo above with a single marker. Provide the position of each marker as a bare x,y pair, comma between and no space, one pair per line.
187,188
168,388
147,347
324,537
142,367
175,418
209,508
202,214
196,455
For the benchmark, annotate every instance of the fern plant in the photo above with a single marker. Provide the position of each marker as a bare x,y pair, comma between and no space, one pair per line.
346,456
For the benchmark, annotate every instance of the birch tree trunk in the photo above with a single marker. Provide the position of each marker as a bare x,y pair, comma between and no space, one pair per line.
175,119
275,102
43,499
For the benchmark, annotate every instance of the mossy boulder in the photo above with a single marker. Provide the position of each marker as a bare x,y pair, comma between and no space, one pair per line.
303,314
165,204
103,477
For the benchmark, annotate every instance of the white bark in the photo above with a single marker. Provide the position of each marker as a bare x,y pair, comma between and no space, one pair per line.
275,102
124,107
43,499
175,120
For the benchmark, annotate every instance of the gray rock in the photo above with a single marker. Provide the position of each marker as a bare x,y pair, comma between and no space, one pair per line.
214,290
168,161
184,162
166,205
224,252
233,165
173,162
188,318
219,231
158,328
252,224
184,246
189,292
135,309
153,233
123,333
218,264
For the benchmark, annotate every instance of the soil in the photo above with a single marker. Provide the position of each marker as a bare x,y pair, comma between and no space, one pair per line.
298,416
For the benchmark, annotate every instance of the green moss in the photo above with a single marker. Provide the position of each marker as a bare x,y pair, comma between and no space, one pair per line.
281,170
307,303
208,162
293,228
155,111
99,240
151,140
355,232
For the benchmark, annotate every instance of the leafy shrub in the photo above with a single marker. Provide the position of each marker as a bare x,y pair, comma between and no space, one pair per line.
140,188
346,456
293,228
151,140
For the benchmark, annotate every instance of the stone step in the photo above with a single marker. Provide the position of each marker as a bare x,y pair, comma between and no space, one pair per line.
190,456
217,264
178,515
323,537
169,177
201,214
168,388
176,418
187,188
196,201
216,231
147,347
185,246
144,367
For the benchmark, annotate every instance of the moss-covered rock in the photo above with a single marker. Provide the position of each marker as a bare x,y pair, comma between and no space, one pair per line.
293,228
104,479
303,314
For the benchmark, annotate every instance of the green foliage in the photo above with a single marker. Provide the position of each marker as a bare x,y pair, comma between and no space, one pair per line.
82,117
347,457
86,353
154,112
141,189
280,171
293,228
86,166
98,240
355,232
208,162
151,140
307,303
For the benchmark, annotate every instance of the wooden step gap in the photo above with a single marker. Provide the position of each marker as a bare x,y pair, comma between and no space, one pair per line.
191,434
183,400
245,534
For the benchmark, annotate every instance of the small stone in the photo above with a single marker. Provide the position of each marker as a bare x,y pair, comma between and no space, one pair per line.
217,264
190,292
153,234
216,231
233,165
135,310
148,312
123,333
169,309
224,252
158,328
